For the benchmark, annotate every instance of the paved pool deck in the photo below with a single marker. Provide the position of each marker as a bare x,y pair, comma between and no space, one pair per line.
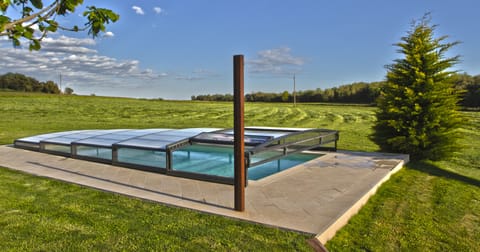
317,197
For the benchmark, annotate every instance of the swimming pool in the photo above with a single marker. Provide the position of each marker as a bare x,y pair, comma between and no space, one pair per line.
197,153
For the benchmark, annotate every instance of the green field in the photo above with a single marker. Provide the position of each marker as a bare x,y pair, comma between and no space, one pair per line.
426,206
58,113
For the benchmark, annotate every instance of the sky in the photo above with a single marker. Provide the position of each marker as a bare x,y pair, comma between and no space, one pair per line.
173,49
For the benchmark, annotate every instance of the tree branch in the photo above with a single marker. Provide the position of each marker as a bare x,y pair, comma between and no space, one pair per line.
48,9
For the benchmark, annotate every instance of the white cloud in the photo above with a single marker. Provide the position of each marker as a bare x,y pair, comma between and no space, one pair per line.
65,44
276,61
138,10
108,34
197,74
157,10
79,63
187,77
64,40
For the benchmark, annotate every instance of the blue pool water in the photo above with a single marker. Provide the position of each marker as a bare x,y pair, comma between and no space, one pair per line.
267,169
218,161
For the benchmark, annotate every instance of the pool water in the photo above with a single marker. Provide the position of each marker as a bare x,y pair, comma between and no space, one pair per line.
218,161
276,166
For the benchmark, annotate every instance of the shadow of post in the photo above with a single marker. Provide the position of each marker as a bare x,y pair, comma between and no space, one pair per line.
434,170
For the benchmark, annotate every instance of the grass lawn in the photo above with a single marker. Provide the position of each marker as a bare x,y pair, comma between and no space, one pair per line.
426,206
39,214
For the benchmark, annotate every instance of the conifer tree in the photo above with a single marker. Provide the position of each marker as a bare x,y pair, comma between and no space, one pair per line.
418,106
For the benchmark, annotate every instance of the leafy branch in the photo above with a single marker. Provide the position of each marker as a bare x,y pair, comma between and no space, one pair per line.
35,14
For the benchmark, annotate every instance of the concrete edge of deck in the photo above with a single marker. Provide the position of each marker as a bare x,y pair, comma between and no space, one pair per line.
336,225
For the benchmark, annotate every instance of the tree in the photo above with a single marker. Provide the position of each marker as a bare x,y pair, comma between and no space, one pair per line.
285,96
22,83
37,19
418,106
50,87
19,82
68,91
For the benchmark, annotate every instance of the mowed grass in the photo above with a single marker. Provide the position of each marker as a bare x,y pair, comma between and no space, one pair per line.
426,206
38,214
29,114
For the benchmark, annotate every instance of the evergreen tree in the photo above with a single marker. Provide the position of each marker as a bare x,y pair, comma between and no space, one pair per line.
418,106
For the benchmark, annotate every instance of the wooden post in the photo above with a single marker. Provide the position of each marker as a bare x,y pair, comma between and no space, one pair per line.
238,128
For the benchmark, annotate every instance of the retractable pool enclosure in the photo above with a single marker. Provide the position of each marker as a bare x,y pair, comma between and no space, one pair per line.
199,153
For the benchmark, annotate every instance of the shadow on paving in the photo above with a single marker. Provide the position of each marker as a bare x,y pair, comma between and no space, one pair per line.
434,170
126,185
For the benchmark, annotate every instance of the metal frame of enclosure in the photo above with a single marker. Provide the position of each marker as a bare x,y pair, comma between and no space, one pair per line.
169,151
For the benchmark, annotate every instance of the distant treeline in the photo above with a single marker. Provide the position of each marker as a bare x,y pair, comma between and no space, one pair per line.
469,86
358,93
22,83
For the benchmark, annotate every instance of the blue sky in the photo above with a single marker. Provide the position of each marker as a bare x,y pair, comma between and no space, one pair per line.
177,48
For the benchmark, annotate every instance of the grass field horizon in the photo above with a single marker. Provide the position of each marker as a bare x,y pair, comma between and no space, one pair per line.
426,206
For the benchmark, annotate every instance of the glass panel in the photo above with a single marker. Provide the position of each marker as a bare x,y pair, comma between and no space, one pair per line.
176,133
303,145
164,138
168,139
331,137
140,132
59,140
39,138
105,140
270,133
275,166
274,134
222,138
142,157
265,155
151,144
27,144
197,130
114,137
81,135
97,141
95,152
150,137
204,159
45,137
34,139
56,148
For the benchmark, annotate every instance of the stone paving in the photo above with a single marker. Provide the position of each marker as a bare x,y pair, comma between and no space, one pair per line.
317,197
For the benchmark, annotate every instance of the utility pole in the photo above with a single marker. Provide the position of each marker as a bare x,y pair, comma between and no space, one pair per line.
294,92
60,84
